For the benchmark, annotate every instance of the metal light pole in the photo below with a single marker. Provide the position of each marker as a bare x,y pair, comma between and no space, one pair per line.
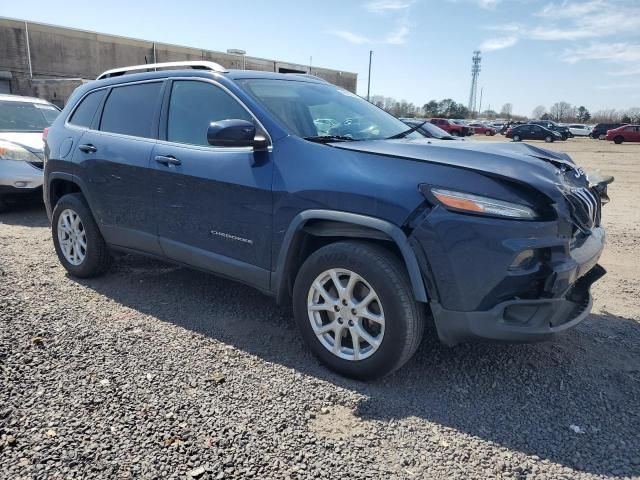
480,107
369,79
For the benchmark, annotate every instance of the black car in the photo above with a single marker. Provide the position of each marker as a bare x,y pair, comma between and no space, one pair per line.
600,130
533,132
429,130
554,127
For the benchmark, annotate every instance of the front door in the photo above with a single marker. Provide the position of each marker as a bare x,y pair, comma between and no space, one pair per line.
213,204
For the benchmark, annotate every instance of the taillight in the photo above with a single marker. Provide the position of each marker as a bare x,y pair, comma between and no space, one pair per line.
45,132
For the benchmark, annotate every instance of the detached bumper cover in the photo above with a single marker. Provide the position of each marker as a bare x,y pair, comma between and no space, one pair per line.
519,320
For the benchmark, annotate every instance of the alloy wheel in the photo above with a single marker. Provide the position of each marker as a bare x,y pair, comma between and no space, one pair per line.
346,314
72,237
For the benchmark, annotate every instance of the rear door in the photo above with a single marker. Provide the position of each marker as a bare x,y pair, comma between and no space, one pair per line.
213,204
114,163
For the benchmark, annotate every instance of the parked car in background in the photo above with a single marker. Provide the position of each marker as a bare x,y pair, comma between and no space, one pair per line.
451,127
600,130
532,132
364,230
626,133
553,126
429,130
579,130
482,129
22,121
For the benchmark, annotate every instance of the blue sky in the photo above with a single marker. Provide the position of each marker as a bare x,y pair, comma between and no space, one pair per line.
535,52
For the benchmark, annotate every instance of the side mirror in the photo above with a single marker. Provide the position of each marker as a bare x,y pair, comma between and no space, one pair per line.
235,133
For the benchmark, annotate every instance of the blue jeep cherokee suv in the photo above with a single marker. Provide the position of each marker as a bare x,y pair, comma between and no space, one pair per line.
361,223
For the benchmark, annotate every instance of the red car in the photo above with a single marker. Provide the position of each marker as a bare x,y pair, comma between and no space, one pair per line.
481,129
626,133
451,127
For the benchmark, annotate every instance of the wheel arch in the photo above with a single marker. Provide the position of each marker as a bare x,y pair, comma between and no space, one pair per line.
329,225
59,184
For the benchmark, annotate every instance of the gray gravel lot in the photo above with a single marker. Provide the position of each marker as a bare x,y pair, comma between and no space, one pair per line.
156,371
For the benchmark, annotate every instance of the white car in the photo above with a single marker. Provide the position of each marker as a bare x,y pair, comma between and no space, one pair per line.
22,120
579,130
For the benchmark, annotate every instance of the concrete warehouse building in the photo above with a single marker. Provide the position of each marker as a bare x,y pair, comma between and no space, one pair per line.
47,61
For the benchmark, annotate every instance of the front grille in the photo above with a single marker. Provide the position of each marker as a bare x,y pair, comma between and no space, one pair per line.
586,207
38,165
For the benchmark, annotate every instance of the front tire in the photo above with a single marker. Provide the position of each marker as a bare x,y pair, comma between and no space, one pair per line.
77,239
354,307
488,133
602,136
548,139
516,138
618,140
455,133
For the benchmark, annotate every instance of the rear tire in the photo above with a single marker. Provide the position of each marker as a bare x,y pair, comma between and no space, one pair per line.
3,205
618,140
548,139
455,133
343,311
77,239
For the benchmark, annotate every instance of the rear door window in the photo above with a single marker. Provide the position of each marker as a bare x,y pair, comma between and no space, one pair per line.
130,110
84,113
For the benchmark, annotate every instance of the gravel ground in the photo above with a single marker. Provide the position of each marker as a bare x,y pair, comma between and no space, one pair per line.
155,371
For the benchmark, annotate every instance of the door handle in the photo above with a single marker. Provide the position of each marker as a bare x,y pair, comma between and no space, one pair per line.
88,148
168,160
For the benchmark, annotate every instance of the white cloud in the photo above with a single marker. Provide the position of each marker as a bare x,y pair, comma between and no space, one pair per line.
617,86
498,43
619,52
398,36
488,4
382,6
350,37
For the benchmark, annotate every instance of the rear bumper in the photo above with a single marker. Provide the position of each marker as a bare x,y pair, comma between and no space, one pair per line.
519,320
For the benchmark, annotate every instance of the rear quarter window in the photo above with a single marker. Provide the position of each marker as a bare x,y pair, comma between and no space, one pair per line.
85,111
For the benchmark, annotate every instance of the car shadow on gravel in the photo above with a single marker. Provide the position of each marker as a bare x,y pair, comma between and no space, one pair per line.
26,212
571,401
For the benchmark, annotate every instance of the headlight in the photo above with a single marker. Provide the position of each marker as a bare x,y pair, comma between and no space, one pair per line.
467,202
11,151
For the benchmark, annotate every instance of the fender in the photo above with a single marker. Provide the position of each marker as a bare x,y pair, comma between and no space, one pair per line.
278,278
51,176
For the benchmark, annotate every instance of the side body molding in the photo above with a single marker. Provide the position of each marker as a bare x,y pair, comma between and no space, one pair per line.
278,278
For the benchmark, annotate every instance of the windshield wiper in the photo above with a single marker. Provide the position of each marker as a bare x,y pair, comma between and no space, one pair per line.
329,138
406,132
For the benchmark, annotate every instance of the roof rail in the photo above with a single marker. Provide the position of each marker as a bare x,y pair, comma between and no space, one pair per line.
195,64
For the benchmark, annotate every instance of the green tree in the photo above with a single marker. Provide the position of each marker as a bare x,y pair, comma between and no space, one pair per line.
583,114
431,109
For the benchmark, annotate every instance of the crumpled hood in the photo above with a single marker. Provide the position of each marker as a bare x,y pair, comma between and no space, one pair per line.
543,169
32,141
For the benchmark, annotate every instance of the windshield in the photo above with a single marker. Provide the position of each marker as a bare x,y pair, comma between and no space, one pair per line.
312,109
26,116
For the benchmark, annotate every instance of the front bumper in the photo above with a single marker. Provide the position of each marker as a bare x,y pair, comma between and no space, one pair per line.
478,288
19,177
519,320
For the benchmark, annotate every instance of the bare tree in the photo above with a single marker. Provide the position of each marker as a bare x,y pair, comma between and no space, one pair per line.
560,111
539,111
506,110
